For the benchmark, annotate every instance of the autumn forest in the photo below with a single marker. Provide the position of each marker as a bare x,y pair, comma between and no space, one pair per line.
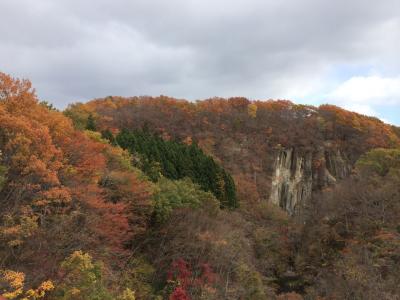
163,198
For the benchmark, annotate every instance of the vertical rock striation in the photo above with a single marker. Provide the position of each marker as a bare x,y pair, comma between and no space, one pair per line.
297,174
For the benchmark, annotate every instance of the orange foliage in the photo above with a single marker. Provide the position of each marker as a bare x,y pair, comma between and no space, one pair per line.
54,169
110,221
240,137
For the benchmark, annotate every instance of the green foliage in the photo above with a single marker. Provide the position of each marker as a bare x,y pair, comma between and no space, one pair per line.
83,279
95,136
252,282
380,161
107,135
78,114
91,123
173,194
176,160
138,275
57,182
81,117
152,169
119,159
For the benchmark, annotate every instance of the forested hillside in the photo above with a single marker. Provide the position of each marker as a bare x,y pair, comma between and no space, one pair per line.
176,160
247,136
158,198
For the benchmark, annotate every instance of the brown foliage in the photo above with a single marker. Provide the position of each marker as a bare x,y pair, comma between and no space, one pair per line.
51,199
245,141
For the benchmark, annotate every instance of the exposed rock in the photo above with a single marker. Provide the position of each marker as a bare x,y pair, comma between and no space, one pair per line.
292,181
296,175
337,165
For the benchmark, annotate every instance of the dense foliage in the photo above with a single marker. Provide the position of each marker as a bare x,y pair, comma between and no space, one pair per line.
350,247
82,218
240,134
176,160
52,201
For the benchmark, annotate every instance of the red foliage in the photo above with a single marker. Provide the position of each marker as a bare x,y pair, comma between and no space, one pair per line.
111,219
240,141
85,156
54,169
179,294
180,271
208,277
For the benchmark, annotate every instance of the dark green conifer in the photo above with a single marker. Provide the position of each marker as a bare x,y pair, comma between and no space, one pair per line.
177,160
91,123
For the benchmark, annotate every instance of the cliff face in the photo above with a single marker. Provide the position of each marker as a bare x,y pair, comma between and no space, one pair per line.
336,164
297,174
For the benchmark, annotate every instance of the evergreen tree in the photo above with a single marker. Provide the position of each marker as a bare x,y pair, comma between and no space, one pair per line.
177,160
91,123
107,135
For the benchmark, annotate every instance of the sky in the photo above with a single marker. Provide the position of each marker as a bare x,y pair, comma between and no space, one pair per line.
343,52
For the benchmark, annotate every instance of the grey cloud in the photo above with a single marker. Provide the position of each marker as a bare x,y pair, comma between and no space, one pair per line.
76,50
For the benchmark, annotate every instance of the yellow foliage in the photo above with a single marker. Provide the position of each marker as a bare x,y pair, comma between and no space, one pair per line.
127,294
15,281
40,292
82,261
252,110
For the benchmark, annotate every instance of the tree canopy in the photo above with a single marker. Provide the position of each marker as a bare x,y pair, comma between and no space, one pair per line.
176,160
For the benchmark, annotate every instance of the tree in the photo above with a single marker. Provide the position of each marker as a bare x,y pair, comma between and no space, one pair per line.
48,105
182,193
252,110
133,195
91,123
82,279
13,284
107,135
177,160
78,114
380,161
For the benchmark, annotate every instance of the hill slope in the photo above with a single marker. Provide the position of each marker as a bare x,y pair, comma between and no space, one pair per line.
82,218
276,150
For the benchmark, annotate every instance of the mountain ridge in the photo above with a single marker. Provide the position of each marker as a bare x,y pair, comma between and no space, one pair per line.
247,136
83,218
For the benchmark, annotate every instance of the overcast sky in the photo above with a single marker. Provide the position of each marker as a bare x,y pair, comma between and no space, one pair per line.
345,52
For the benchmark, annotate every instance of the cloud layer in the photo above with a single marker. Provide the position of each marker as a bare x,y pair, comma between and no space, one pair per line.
367,94
312,51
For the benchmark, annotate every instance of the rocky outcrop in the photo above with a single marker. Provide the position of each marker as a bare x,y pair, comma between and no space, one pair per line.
337,164
292,181
297,174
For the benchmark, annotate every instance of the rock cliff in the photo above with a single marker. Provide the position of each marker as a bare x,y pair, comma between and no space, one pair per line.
298,173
